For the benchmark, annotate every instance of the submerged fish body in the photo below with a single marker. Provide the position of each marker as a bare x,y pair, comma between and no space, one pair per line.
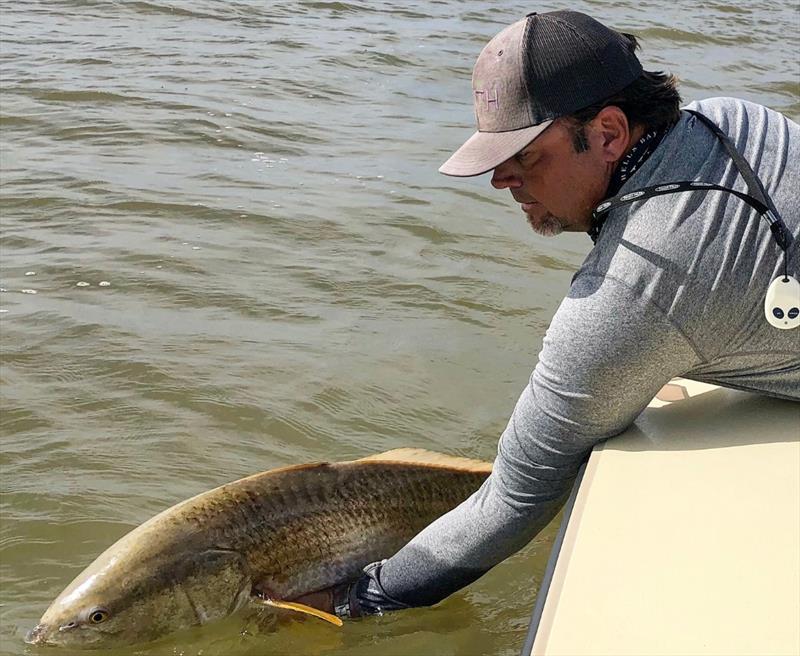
275,535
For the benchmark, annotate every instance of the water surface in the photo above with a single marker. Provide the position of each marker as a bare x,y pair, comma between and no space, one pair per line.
243,257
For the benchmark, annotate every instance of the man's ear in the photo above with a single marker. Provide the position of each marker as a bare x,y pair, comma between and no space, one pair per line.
612,132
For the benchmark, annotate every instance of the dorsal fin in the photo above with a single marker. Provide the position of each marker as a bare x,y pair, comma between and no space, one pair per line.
432,458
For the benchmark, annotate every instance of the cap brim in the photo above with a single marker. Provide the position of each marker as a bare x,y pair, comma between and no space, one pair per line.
483,151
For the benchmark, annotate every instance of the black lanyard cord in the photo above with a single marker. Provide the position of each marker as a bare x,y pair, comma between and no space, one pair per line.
758,198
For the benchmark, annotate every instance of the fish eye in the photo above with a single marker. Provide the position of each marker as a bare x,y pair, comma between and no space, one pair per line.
98,615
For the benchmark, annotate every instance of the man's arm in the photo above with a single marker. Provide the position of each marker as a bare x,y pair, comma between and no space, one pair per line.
606,354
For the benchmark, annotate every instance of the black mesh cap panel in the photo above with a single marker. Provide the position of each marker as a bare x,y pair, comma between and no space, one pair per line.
571,61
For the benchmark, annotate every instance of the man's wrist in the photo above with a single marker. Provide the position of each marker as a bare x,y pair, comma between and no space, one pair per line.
345,603
366,596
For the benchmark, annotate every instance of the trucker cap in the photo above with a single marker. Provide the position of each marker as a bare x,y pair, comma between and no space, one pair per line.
541,67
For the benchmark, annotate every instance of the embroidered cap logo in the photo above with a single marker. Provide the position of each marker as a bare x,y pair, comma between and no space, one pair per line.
489,98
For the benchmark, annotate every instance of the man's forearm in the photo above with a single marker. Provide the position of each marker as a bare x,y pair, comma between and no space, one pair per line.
607,353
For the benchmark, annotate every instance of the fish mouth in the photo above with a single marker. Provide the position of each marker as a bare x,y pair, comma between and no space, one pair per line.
36,636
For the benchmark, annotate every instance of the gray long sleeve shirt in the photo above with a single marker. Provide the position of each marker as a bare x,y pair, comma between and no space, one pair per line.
674,286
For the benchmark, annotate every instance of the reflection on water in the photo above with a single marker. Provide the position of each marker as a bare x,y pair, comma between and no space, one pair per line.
225,248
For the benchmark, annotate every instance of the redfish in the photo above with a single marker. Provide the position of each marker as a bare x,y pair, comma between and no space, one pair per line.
266,539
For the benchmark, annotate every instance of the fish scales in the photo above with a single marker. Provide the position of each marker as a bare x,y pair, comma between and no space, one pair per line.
290,533
371,518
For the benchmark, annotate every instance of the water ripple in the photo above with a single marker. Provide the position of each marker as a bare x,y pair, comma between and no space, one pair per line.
289,279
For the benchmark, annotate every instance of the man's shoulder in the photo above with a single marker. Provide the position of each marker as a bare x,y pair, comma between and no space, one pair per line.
734,114
724,103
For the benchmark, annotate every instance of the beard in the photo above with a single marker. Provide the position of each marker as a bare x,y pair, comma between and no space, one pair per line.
547,226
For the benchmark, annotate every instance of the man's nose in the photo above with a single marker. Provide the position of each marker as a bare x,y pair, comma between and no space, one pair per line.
505,177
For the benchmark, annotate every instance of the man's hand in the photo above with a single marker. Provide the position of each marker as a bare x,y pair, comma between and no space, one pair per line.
364,596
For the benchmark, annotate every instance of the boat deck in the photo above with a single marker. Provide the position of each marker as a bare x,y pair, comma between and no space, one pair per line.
683,536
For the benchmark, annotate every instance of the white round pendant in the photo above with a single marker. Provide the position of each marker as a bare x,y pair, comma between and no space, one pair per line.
782,303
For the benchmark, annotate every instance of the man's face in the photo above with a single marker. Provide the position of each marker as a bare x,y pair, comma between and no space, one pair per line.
556,186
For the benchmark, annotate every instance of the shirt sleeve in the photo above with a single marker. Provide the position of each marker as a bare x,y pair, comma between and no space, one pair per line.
606,354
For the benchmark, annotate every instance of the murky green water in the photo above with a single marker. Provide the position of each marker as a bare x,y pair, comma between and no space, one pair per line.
243,257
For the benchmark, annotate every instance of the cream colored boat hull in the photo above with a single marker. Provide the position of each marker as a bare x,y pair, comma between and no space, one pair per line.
683,536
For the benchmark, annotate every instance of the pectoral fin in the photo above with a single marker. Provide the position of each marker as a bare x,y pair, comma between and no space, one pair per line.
301,608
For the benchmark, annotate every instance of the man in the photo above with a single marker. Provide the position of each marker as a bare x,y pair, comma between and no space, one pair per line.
674,286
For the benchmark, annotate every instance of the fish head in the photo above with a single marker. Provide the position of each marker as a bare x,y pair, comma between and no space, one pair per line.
110,606
116,602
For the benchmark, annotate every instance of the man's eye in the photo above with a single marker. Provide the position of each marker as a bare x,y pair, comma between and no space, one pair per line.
526,158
